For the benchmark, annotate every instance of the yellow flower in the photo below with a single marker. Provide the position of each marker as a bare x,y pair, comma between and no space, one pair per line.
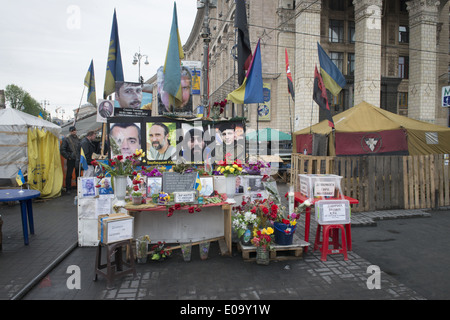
235,166
240,168
293,222
269,230
231,170
222,170
227,168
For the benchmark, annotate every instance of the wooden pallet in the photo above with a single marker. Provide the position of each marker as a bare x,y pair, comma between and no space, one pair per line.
278,252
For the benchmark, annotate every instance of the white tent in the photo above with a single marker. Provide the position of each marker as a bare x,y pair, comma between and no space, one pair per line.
14,125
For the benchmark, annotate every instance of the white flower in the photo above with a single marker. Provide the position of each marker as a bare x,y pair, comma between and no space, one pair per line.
307,203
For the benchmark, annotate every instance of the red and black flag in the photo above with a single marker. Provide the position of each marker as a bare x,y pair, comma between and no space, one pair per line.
289,77
244,51
320,96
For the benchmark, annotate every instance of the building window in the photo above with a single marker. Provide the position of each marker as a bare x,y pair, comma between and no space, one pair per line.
337,5
403,34
403,103
403,67
351,31
403,6
351,64
338,59
336,31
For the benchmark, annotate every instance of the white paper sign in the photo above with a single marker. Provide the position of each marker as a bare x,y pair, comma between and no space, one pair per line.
188,196
120,229
333,212
324,189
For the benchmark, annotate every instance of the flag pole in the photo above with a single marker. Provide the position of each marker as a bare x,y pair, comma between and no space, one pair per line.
290,114
78,110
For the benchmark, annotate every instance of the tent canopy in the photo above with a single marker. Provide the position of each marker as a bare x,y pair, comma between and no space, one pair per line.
268,134
419,136
14,125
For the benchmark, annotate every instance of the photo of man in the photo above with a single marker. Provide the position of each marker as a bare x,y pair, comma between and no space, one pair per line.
125,138
186,88
105,110
158,142
163,96
195,148
129,94
164,102
227,147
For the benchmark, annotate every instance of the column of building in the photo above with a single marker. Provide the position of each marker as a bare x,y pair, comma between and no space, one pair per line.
307,26
423,18
367,51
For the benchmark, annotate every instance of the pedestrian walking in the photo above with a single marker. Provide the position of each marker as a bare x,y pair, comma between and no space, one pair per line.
70,150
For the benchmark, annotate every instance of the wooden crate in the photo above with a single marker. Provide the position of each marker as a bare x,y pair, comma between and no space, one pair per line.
278,252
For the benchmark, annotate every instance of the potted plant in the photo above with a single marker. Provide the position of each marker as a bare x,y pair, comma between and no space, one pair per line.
136,197
160,252
285,225
142,248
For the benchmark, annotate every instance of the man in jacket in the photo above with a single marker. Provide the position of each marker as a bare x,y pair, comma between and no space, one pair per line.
70,149
89,148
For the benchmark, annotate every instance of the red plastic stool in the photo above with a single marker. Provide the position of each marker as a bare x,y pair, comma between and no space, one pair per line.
338,248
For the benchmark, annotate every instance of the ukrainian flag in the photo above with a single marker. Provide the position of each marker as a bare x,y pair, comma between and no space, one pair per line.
172,64
114,69
198,183
332,77
251,90
83,160
20,178
89,81
40,115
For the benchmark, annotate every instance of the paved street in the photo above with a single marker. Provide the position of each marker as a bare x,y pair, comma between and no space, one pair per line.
408,247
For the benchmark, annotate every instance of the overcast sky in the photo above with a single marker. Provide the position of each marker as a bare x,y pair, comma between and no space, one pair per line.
46,46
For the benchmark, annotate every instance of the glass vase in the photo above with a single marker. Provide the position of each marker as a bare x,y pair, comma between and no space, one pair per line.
186,249
204,249
262,255
141,250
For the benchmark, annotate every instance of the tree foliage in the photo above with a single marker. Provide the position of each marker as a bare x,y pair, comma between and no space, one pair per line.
19,99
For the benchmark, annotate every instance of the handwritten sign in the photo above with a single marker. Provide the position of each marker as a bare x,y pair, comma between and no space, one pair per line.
186,197
333,211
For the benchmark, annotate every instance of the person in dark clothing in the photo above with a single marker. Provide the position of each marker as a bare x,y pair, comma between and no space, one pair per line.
89,148
70,150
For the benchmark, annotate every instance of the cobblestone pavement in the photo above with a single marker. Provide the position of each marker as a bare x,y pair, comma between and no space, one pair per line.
42,270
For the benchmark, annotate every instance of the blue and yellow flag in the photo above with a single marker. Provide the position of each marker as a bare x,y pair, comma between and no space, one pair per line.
198,183
251,90
333,78
20,179
83,160
89,81
114,69
40,115
172,64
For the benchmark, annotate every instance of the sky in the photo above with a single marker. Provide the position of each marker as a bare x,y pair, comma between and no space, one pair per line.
46,46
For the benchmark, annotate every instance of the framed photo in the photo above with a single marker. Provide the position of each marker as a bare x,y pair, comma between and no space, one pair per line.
207,186
105,186
154,185
88,187
253,184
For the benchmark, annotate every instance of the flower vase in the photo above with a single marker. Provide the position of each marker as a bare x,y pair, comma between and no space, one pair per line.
186,249
136,200
120,190
230,185
262,255
204,249
282,236
141,250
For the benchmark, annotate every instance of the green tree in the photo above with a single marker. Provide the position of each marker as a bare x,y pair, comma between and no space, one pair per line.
19,99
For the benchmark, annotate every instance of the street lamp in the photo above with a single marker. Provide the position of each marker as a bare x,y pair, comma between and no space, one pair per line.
137,60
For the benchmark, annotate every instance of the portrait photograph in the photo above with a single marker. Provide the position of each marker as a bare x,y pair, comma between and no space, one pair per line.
105,109
124,138
196,145
207,186
252,183
154,185
105,186
88,187
128,95
161,142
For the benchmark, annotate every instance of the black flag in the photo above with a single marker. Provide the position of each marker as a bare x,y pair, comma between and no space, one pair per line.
320,96
244,51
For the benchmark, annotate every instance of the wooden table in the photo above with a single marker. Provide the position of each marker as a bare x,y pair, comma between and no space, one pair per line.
213,222
25,197
299,198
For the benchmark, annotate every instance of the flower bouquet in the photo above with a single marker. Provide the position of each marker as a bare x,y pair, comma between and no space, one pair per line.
256,168
226,169
262,240
142,248
160,252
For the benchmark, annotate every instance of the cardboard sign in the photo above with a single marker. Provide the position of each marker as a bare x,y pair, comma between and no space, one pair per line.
184,197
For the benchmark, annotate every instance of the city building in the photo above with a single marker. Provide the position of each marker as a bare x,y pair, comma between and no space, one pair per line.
394,54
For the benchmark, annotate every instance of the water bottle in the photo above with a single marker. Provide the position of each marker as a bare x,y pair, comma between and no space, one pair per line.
75,200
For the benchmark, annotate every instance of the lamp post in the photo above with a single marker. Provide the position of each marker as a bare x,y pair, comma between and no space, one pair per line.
137,60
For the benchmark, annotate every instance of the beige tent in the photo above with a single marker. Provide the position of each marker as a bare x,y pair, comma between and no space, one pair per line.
366,129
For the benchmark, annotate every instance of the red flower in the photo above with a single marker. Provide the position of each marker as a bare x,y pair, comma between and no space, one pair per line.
120,157
198,209
135,188
243,203
265,210
94,162
177,206
285,221
191,210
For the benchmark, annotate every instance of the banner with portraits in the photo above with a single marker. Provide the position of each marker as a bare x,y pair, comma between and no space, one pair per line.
168,141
